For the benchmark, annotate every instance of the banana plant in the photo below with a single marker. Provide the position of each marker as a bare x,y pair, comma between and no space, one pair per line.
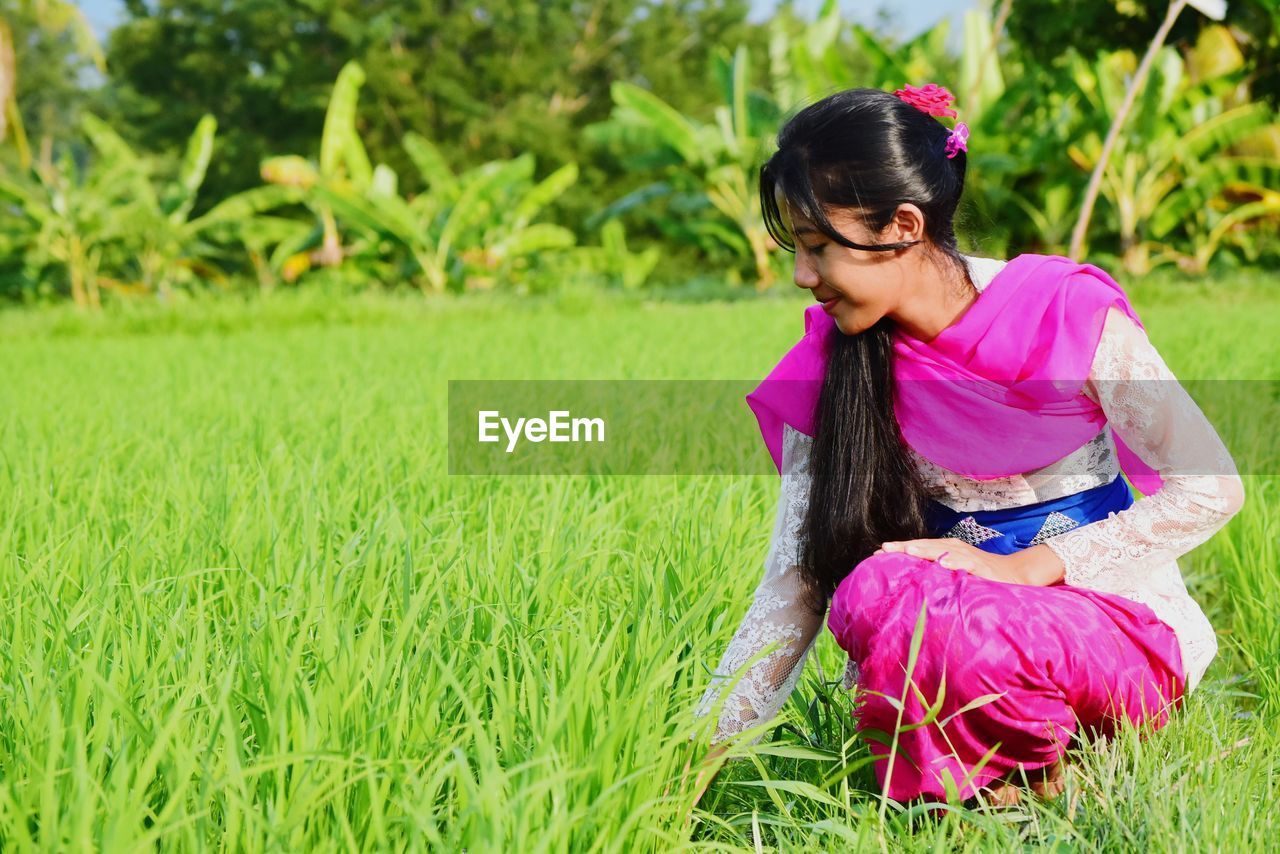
343,167
921,58
805,59
612,262
1175,163
817,60
1214,9
65,211
105,224
617,263
472,230
710,168
161,245
76,214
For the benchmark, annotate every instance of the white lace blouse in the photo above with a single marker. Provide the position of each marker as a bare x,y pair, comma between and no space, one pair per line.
1131,553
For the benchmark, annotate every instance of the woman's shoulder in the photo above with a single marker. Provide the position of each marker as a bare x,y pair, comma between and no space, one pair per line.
983,270
1085,283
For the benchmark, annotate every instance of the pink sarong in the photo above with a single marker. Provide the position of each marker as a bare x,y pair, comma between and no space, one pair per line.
1062,659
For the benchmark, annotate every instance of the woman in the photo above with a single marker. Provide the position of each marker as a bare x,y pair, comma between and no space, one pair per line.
950,433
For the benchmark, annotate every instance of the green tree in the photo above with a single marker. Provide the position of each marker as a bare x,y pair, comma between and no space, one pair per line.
482,80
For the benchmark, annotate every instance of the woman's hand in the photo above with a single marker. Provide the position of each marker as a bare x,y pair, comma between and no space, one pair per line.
706,772
1037,566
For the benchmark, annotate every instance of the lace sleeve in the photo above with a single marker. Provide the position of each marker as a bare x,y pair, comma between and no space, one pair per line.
1147,407
778,630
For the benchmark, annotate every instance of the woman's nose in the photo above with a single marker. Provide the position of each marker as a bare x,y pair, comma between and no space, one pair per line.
805,276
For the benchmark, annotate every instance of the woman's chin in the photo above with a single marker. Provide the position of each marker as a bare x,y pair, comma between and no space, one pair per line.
847,324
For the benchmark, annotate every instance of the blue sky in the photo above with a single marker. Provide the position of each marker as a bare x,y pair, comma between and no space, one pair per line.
101,13
911,18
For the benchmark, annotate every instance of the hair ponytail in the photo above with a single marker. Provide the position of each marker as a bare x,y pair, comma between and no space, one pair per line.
868,150
863,488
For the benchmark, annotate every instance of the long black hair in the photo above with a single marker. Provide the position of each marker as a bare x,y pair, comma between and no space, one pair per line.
867,150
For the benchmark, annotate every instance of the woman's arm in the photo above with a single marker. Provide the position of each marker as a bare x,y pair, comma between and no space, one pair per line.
776,618
1158,420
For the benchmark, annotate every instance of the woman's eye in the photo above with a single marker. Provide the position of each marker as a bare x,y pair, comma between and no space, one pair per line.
815,250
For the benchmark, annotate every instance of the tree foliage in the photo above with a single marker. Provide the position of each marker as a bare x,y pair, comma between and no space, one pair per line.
482,80
1048,30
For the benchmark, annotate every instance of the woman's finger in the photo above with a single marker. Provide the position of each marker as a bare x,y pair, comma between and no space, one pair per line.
929,549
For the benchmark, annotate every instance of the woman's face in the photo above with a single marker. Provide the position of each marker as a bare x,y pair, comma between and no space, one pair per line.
856,287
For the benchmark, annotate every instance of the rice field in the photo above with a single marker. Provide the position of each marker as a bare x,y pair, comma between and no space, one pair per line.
245,606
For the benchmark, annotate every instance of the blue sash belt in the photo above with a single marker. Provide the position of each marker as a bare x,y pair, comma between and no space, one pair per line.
1012,529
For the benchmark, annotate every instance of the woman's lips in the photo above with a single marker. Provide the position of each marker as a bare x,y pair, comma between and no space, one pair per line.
827,305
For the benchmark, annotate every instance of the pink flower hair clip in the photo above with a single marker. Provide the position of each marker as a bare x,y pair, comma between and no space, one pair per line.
936,100
957,140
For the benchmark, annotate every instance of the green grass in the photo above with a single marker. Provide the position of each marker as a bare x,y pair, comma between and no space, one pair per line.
245,605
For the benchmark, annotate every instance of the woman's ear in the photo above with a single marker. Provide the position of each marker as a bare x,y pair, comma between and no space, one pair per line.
907,223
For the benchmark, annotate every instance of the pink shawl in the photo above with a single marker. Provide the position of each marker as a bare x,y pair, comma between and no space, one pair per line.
996,393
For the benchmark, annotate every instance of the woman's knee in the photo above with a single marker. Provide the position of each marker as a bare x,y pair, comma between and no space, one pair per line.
874,575
858,599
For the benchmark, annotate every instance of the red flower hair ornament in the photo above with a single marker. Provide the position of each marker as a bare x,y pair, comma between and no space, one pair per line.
936,100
